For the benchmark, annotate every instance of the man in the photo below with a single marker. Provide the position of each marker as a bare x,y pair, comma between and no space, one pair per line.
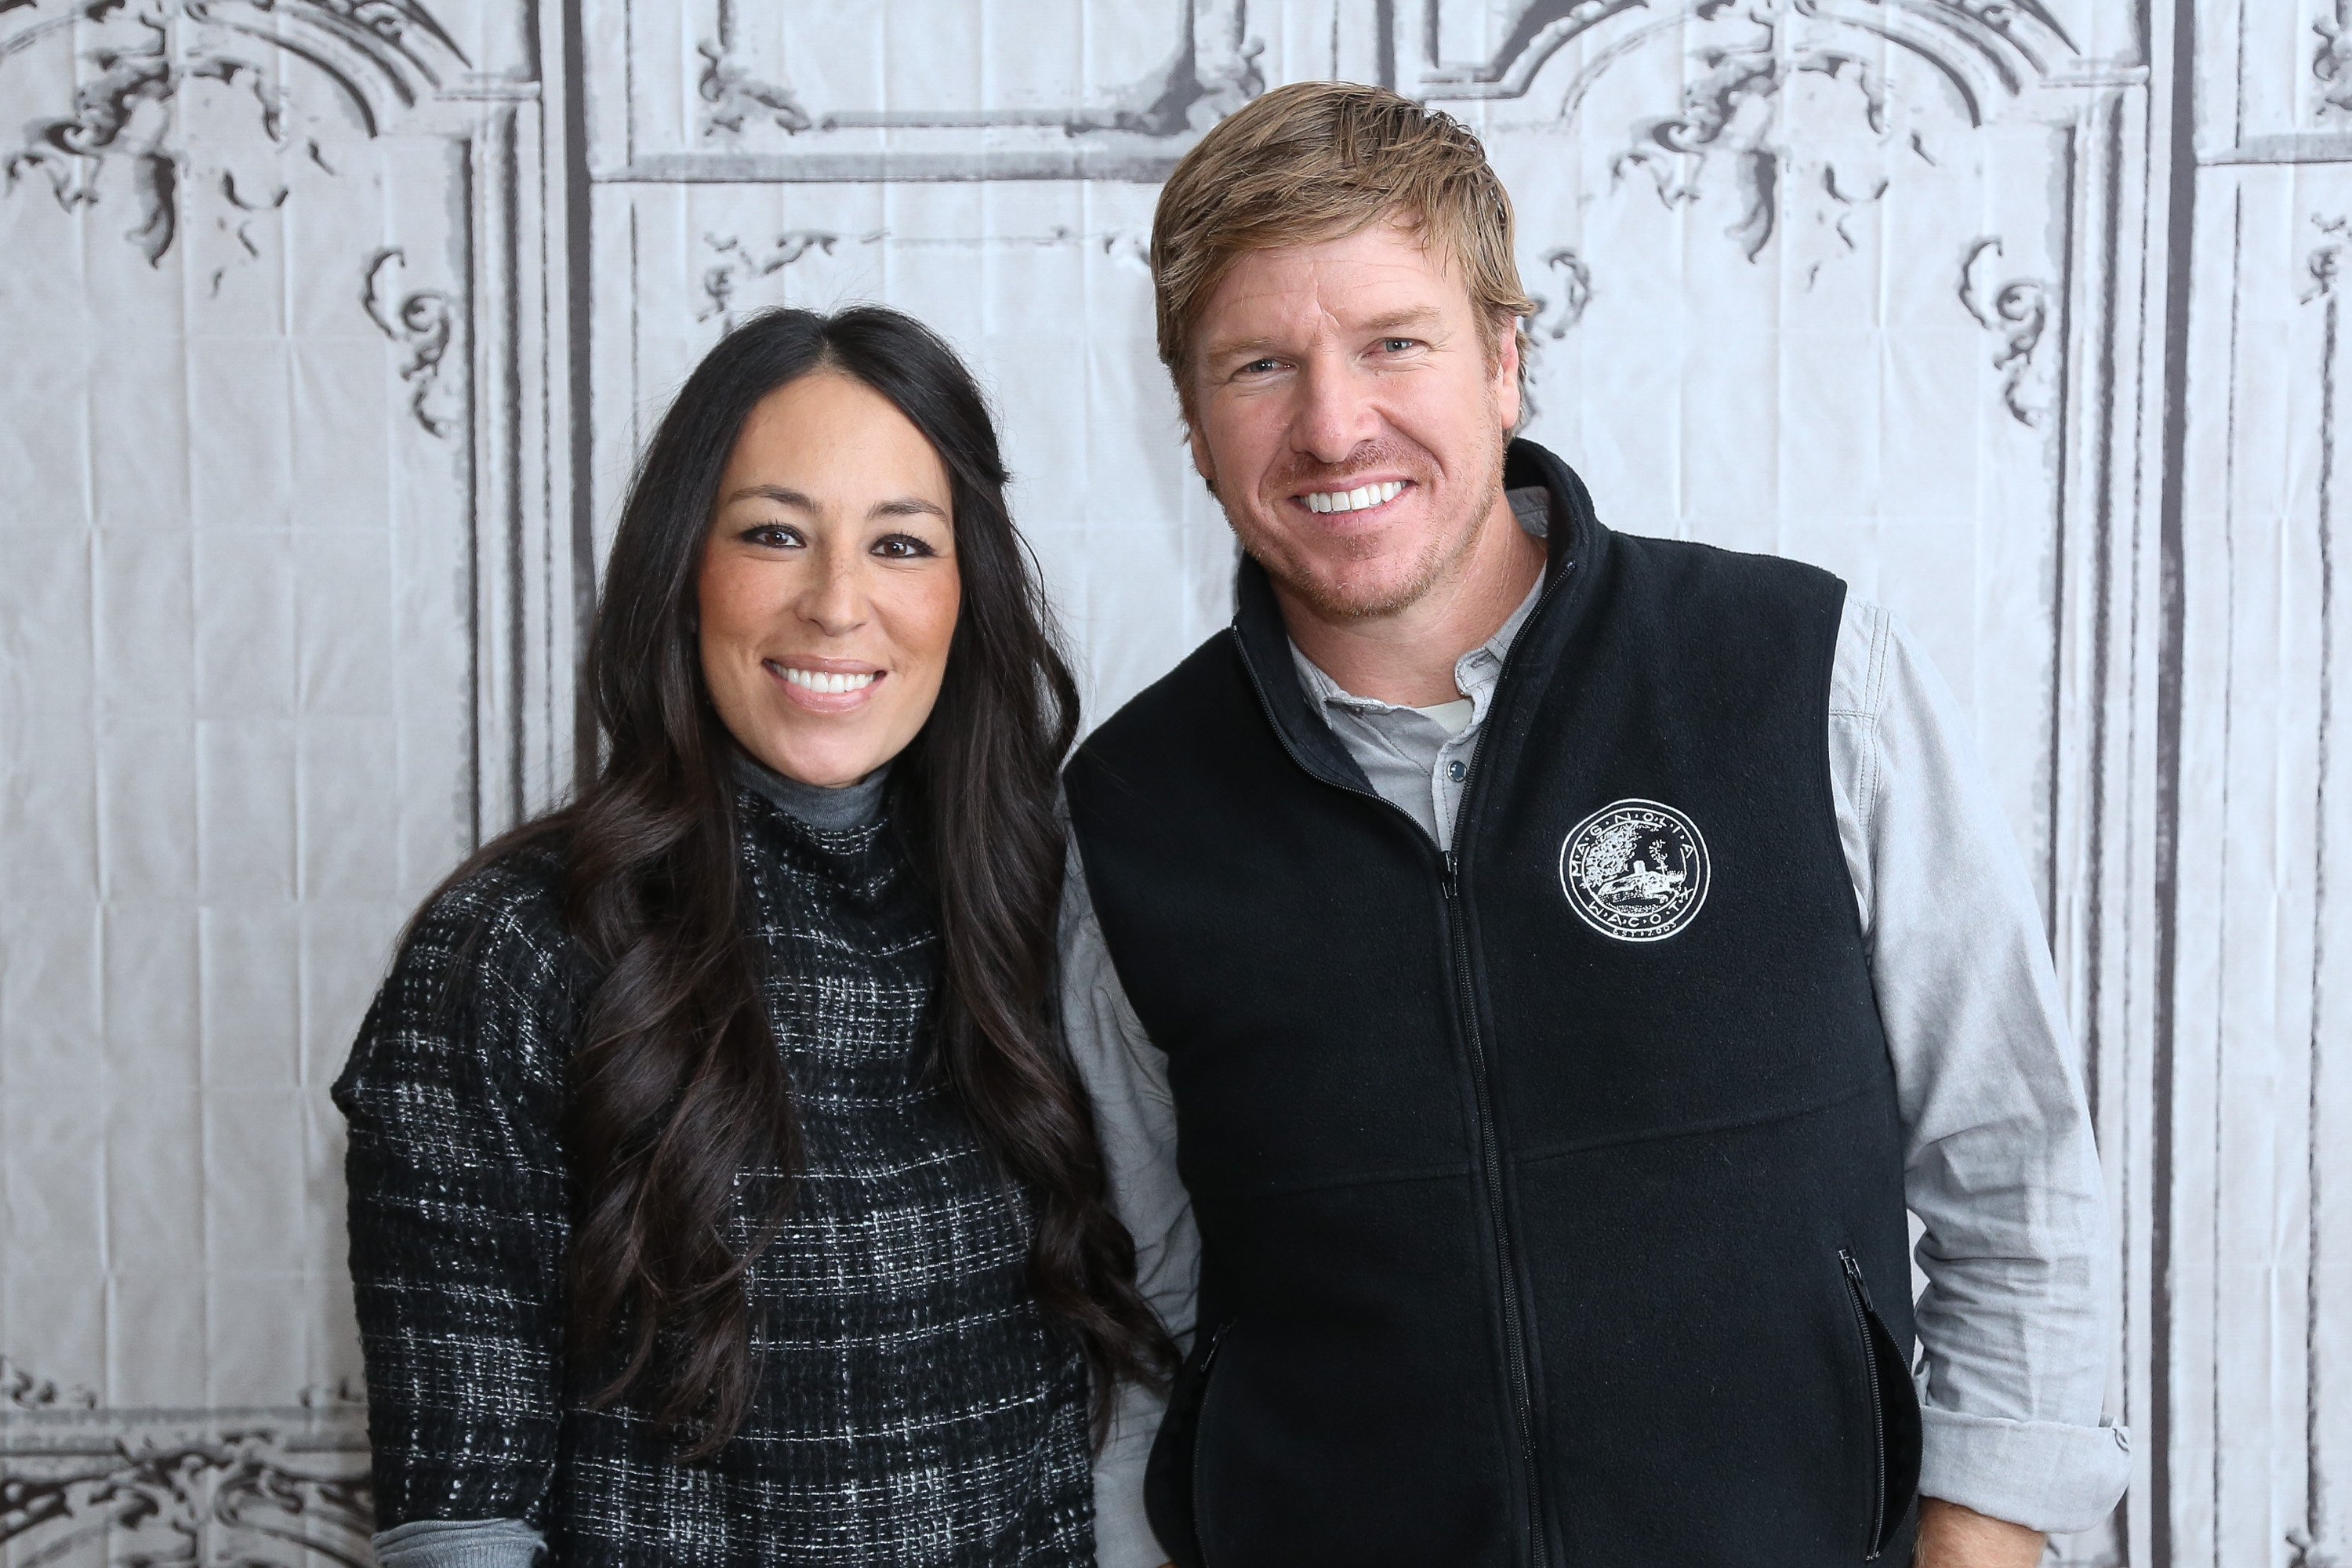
1552,960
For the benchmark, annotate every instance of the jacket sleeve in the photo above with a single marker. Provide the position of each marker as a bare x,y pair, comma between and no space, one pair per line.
1127,1075
2001,1168
459,1208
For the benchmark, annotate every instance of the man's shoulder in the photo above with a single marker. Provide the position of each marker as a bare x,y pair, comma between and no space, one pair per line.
1174,712
1691,562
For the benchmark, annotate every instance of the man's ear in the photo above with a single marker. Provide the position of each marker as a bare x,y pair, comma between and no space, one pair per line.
1506,359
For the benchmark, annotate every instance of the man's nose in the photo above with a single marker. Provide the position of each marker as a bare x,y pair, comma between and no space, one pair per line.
1335,414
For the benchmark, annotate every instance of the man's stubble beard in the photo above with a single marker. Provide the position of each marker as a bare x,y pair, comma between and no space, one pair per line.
1440,555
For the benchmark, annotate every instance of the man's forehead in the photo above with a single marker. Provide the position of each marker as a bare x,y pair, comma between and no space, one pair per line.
1358,282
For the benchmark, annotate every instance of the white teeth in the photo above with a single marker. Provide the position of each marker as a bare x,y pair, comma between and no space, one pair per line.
826,680
1355,499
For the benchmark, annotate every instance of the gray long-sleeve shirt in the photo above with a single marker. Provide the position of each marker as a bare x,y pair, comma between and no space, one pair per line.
1999,1166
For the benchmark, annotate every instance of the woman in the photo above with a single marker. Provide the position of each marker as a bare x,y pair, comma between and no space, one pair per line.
719,1191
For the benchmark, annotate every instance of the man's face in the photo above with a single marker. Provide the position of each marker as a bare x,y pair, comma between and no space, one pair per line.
1350,409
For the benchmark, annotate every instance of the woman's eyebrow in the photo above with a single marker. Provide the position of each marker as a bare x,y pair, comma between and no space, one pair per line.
907,506
781,494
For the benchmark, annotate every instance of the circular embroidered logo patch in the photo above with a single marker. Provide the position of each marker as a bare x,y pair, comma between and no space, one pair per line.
1635,870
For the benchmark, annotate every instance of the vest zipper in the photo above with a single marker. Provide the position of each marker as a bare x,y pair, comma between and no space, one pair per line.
1489,1142
1491,1169
1858,1296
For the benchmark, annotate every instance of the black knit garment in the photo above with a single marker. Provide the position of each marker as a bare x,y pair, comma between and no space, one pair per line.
913,1409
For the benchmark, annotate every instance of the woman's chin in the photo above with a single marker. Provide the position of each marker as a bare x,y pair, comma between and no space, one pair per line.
825,767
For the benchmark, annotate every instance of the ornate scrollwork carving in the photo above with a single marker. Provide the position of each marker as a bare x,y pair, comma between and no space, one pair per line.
2310,1552
423,321
737,262
1213,70
245,1498
2018,311
1732,110
2326,261
21,1390
1983,50
2331,60
377,54
1199,86
734,94
1576,290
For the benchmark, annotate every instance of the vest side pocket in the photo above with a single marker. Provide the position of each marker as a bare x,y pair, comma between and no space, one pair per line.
1894,1417
1170,1478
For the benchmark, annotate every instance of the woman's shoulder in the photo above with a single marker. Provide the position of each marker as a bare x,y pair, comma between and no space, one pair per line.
509,896
485,981
496,926
516,889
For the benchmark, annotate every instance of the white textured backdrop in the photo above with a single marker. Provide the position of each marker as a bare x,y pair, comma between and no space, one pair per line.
328,329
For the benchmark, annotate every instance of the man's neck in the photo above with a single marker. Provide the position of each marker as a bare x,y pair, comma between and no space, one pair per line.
1407,656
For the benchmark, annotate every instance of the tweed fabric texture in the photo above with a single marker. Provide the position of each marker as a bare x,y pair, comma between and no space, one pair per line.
913,1408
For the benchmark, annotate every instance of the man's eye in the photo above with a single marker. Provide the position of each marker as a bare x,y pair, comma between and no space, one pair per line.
902,547
1400,345
1261,366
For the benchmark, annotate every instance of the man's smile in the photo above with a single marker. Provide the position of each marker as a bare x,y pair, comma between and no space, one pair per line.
1362,498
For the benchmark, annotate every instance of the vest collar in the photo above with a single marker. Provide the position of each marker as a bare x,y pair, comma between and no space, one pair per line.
1575,540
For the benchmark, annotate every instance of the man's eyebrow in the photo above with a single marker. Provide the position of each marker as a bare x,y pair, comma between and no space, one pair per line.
1229,347
780,494
1418,316
1415,316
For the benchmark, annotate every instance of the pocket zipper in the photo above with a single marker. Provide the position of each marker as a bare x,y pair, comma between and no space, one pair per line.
1858,1297
1200,1408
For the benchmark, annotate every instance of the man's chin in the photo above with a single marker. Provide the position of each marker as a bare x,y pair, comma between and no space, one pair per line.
1351,596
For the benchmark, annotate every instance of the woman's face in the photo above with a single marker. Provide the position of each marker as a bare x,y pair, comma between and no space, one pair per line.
828,591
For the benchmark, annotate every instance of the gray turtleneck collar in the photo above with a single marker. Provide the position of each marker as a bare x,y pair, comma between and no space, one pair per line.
830,810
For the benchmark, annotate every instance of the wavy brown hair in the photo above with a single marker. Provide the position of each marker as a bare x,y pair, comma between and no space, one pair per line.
679,1087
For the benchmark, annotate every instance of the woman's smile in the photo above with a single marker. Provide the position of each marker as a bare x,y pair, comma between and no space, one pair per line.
825,686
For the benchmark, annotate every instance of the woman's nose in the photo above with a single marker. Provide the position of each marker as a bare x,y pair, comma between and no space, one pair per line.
835,600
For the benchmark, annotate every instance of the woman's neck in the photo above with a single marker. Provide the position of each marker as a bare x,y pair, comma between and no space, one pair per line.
830,809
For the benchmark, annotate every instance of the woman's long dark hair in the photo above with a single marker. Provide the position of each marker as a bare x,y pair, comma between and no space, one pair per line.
679,1086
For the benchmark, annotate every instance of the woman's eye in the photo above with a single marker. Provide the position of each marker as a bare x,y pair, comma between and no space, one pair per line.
902,547
774,534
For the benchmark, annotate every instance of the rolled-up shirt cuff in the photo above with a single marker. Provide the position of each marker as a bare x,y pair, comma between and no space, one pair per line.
459,1543
2044,1475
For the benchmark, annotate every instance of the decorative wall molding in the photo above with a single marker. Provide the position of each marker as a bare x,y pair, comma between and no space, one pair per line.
1732,110
736,262
2331,60
2018,312
422,323
1985,51
767,132
375,57
21,1390
735,95
1575,291
284,1490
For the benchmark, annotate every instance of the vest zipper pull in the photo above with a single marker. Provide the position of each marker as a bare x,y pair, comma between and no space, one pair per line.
1452,876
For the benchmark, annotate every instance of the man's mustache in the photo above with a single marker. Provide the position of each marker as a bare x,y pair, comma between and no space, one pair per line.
1408,460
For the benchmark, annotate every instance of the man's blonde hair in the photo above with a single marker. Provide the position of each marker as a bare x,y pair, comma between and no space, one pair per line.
1319,160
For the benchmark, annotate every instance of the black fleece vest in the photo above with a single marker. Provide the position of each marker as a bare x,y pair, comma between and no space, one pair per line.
1544,1189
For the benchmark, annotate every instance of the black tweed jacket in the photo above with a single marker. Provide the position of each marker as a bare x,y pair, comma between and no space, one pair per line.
913,1409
